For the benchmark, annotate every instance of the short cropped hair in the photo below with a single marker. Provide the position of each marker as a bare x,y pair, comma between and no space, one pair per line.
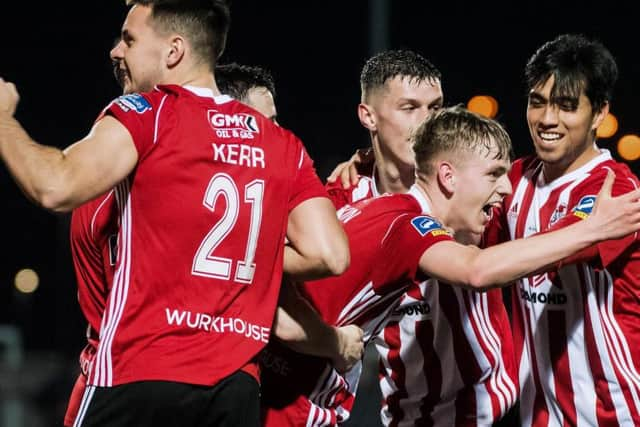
392,63
205,23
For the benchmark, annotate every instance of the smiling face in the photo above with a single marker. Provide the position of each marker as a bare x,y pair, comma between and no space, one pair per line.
480,182
398,108
562,129
139,54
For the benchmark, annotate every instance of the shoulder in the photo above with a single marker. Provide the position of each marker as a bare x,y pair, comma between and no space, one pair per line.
142,103
133,103
624,175
390,205
625,179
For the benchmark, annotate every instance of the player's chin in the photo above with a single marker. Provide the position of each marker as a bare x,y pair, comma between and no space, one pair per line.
475,228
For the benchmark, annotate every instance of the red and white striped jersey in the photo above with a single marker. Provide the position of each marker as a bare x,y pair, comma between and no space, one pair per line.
446,355
387,236
200,254
447,358
576,329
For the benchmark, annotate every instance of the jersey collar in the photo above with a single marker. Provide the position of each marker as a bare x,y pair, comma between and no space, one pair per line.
206,92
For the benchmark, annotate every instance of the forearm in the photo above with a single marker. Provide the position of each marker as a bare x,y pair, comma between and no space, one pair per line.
504,263
307,334
36,168
301,328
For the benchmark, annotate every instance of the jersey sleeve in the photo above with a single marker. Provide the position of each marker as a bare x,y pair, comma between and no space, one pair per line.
338,195
581,204
411,236
307,184
136,112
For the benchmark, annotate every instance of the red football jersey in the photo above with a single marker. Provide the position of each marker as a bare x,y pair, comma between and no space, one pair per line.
93,234
446,353
576,334
387,237
202,221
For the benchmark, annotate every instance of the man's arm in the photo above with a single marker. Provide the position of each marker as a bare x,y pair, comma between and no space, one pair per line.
300,327
613,217
318,246
60,180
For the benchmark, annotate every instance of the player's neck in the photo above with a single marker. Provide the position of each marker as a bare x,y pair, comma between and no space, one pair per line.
391,178
439,203
555,170
198,77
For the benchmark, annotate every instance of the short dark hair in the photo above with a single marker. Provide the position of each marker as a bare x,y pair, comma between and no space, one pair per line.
389,64
577,63
235,79
204,22
458,130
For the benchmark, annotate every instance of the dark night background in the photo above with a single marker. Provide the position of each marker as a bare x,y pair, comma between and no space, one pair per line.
57,55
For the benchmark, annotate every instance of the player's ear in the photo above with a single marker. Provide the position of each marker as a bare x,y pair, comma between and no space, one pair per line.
367,116
176,50
599,116
446,174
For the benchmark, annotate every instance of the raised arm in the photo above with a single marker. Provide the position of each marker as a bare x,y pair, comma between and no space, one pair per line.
613,217
61,180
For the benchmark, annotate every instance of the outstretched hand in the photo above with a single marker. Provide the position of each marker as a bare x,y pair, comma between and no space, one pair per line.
347,171
8,97
615,217
350,338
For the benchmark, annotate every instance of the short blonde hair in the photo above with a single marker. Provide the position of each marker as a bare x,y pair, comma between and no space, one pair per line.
458,131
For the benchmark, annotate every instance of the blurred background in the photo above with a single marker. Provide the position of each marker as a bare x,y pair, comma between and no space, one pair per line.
57,54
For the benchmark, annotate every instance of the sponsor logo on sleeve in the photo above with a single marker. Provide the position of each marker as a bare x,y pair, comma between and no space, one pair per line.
133,102
584,207
427,225
240,125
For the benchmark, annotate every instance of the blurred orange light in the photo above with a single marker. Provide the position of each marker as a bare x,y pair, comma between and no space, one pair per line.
629,147
26,281
608,127
485,105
